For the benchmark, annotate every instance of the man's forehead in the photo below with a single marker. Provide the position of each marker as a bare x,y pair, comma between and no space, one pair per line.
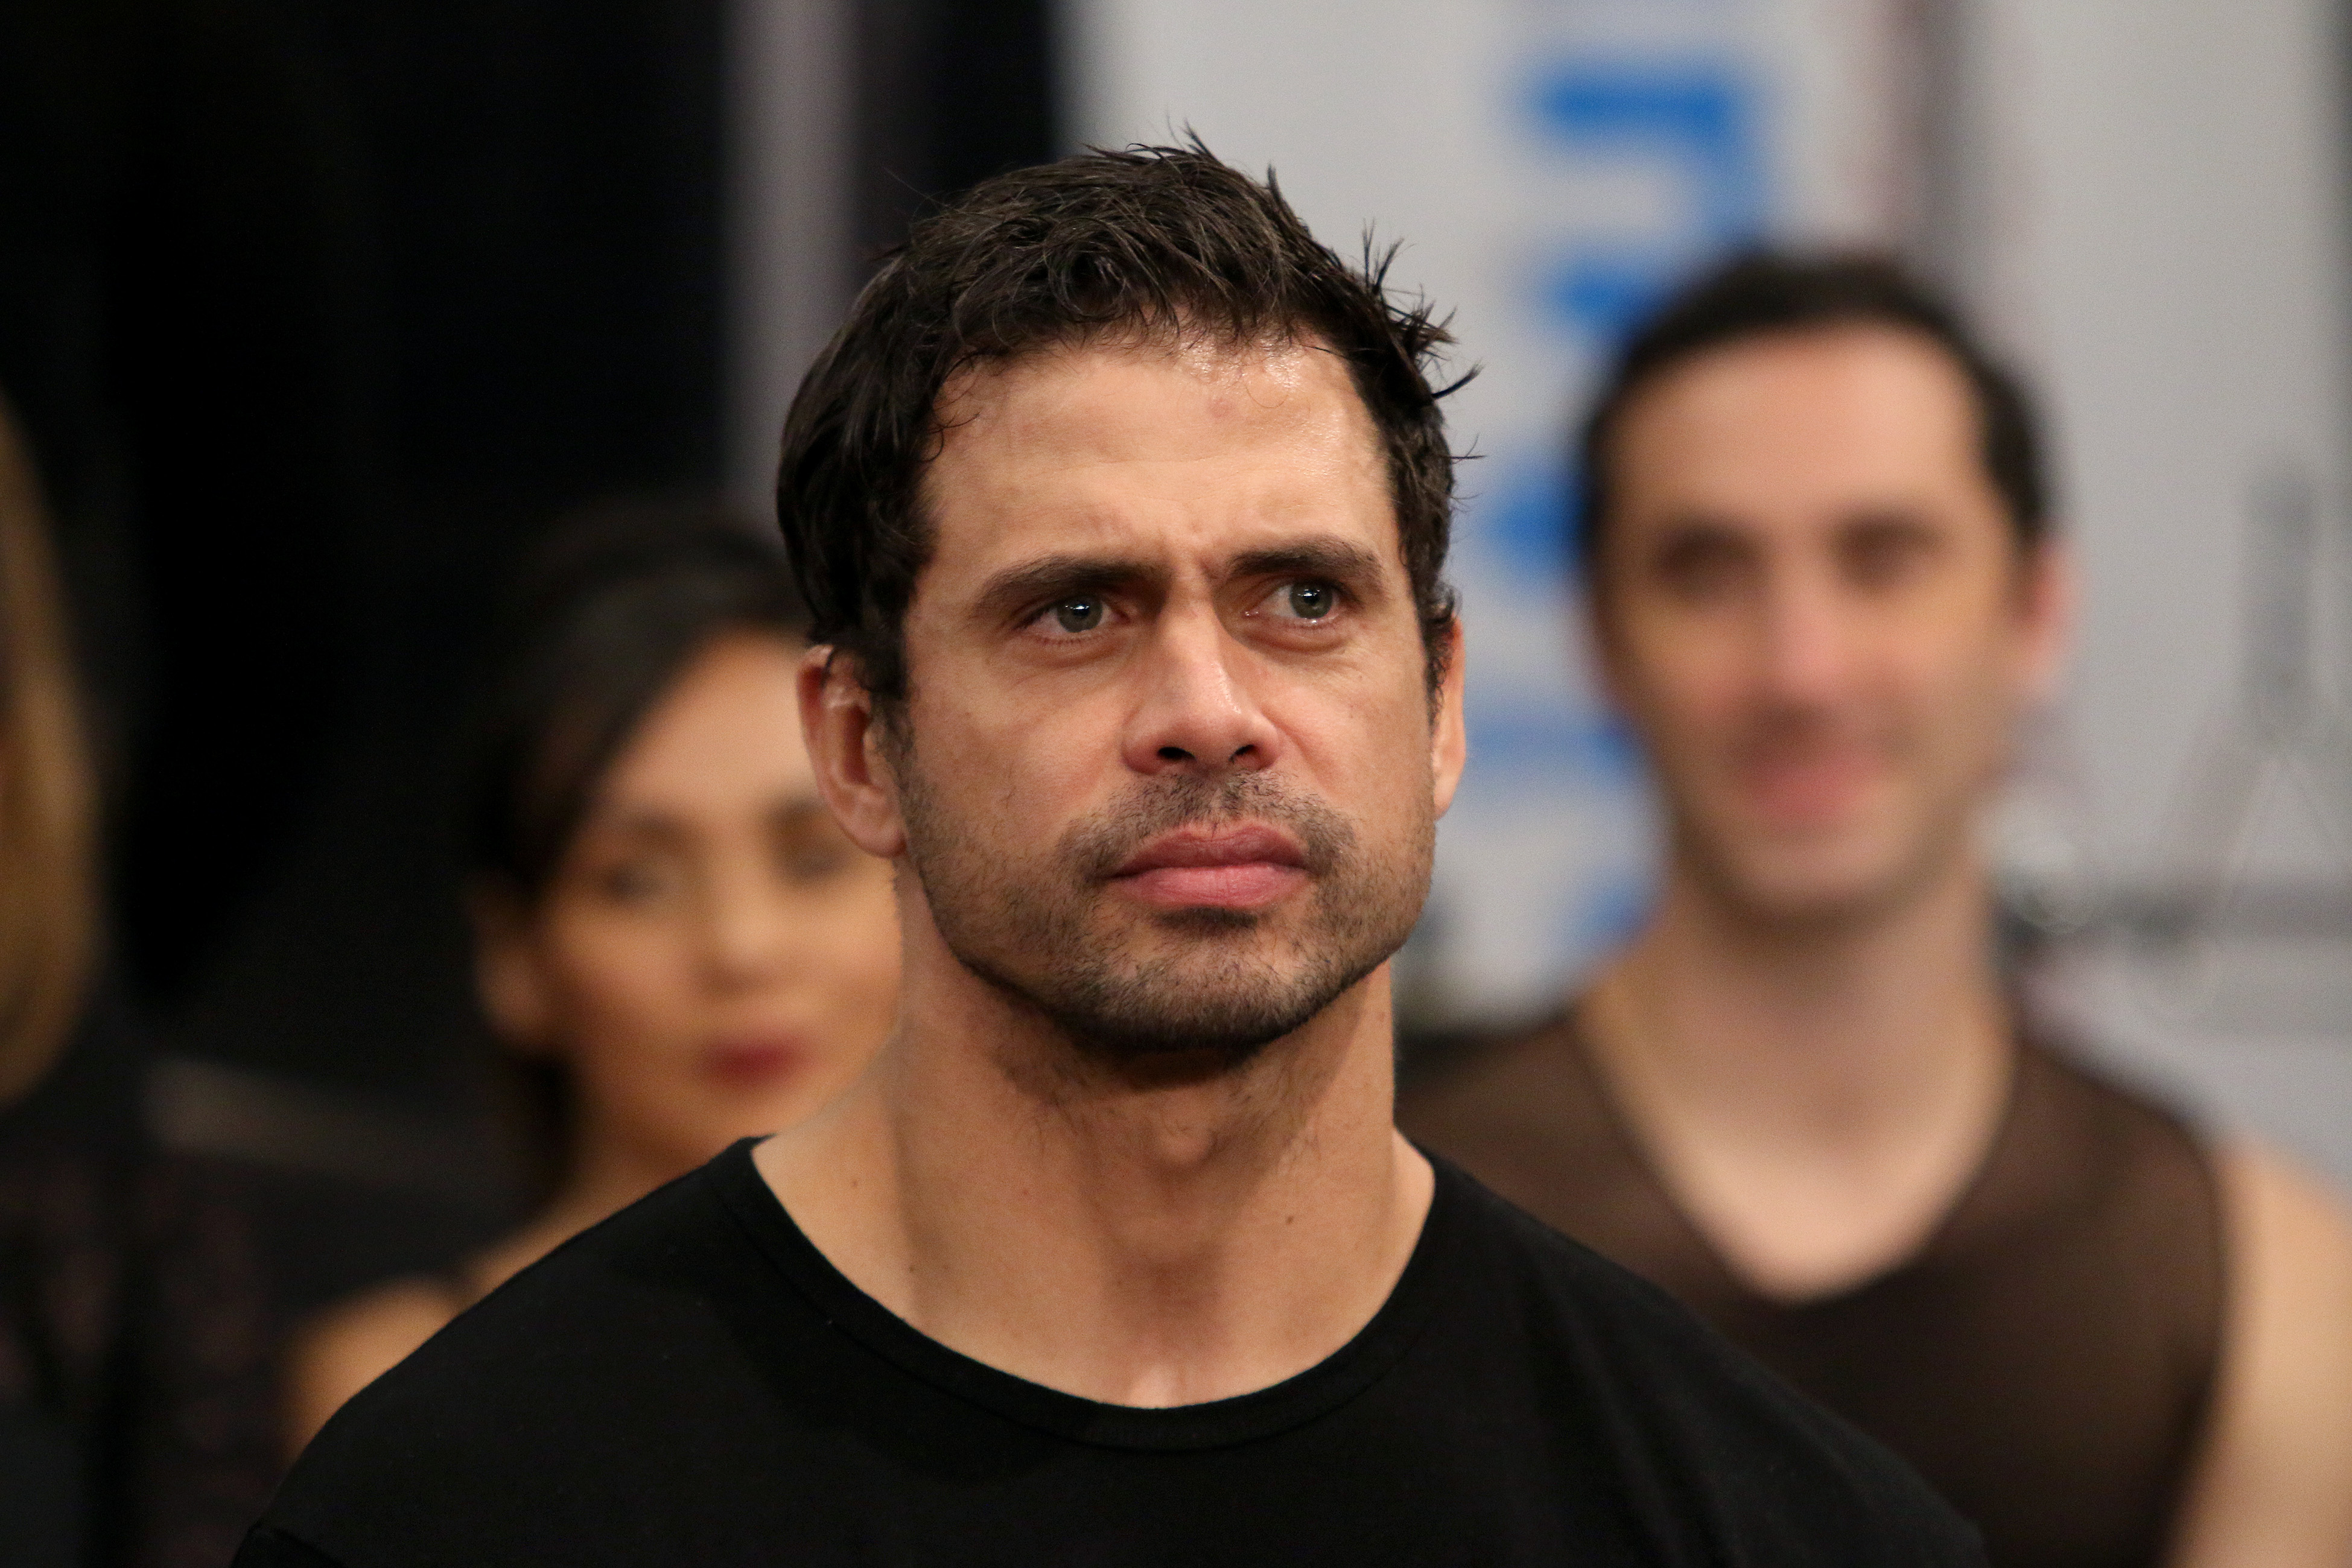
1827,411
1835,383
1145,400
1193,454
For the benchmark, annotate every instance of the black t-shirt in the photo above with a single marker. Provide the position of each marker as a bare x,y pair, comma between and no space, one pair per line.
692,1382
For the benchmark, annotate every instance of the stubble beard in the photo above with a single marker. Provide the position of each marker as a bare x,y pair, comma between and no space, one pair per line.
1122,985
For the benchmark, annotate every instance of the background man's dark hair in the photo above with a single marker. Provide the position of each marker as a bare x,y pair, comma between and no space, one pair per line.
1152,241
1765,293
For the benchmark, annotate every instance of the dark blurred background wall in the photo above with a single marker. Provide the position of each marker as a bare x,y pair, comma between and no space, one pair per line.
315,312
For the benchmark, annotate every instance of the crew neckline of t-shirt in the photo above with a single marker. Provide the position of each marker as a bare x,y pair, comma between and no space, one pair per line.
1296,1401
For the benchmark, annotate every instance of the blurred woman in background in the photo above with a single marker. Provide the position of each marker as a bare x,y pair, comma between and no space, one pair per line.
675,942
136,1402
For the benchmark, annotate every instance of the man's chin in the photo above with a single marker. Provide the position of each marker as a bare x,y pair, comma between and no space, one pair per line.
1817,890
1209,920
1177,1026
1202,992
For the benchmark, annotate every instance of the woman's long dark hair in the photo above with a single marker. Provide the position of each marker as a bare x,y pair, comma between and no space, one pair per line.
608,613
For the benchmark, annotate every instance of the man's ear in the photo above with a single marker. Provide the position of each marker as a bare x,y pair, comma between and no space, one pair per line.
1449,742
2046,589
848,750
507,973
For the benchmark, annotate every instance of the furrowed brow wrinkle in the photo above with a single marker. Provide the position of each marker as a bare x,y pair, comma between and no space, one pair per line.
1018,590
1334,558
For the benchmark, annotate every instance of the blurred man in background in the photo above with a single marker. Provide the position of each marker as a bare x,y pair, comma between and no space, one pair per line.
1823,588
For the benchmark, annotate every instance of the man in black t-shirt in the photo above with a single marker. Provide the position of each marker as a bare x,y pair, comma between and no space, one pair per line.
1121,506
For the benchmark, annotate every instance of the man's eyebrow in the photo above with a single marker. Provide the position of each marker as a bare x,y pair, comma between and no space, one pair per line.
1332,558
1885,515
1702,527
1055,577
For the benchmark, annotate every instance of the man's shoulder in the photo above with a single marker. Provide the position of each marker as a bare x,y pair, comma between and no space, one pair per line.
1716,1445
671,1271
607,1363
1437,1065
1518,1104
672,1257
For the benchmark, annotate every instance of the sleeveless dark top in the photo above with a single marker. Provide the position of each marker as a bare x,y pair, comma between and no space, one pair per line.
2045,1360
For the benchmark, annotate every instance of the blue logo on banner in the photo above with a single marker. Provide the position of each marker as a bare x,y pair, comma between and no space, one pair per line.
1524,518
1701,119
1570,751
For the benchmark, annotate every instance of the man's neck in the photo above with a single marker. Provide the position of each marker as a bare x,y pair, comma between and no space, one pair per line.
1148,1237
1816,1093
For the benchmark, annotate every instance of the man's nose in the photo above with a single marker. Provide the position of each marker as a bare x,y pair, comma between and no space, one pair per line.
1196,711
1806,636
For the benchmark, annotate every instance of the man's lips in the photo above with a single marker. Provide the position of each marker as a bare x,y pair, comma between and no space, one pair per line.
1239,868
1810,790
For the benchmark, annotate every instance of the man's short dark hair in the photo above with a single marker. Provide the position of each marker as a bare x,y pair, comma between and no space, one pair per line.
1149,242
1766,294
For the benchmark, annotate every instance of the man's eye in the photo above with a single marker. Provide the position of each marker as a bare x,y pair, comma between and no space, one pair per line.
1083,613
1882,558
1306,600
1703,567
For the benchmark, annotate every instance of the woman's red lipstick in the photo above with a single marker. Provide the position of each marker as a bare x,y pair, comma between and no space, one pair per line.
749,1065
